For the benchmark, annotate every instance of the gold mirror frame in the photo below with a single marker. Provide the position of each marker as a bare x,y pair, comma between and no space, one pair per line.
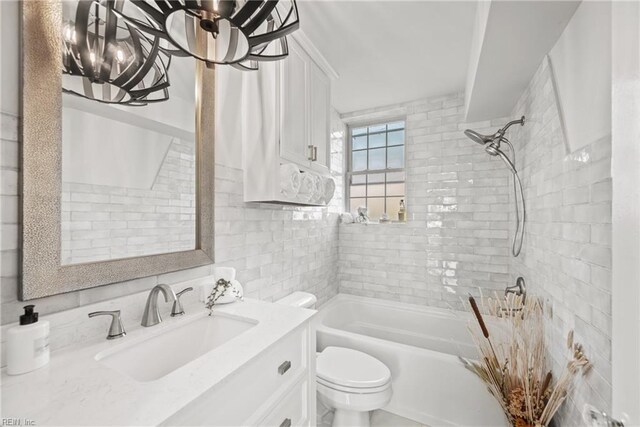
42,272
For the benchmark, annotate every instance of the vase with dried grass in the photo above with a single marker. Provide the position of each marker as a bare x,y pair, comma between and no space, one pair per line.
513,359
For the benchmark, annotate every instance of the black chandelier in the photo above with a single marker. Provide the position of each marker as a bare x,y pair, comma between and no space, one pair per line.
235,32
109,60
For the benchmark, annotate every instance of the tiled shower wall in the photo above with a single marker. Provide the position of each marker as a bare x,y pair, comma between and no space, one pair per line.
566,257
275,249
456,239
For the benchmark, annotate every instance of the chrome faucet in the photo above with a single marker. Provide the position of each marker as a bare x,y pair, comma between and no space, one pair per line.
151,314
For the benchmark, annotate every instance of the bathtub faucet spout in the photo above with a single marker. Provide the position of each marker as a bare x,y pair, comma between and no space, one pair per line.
518,289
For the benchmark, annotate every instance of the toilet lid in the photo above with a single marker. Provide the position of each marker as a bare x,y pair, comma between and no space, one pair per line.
351,368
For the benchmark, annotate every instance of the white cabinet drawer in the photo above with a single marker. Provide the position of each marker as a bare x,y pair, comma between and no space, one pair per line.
237,398
292,411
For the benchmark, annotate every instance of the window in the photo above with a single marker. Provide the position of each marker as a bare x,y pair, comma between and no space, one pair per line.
376,177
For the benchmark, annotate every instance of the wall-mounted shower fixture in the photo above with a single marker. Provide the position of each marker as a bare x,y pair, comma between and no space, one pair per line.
491,145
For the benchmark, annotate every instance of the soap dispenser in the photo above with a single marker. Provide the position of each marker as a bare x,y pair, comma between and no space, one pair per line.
27,344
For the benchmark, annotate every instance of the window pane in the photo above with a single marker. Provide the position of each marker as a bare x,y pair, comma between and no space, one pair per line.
395,177
375,190
377,128
375,207
356,203
359,179
359,131
395,189
396,157
375,178
376,159
396,138
395,125
393,206
377,140
358,160
358,191
359,142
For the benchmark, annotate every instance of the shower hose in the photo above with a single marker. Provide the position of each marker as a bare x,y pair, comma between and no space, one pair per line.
518,237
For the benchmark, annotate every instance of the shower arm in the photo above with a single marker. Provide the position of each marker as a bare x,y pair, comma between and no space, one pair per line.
511,123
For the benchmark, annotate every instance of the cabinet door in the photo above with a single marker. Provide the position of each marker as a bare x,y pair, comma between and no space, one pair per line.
319,120
294,129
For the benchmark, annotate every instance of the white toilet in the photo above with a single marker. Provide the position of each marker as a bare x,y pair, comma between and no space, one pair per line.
349,381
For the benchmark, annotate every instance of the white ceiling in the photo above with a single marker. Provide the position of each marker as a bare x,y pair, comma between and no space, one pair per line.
387,52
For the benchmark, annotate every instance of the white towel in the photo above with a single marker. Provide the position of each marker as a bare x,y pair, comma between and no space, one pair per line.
317,196
329,189
290,180
306,188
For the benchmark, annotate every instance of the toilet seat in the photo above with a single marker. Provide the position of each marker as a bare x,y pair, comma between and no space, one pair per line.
351,371
353,390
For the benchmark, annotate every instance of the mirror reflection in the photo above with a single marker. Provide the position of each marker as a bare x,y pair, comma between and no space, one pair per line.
128,169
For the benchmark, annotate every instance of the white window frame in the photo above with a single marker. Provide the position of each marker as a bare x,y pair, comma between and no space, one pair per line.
349,173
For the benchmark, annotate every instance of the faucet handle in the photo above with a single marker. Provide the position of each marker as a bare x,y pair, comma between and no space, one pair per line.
177,309
116,330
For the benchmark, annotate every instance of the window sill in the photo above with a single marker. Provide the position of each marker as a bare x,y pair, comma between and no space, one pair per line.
376,223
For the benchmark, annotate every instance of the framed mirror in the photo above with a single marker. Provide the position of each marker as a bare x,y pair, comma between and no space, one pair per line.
117,183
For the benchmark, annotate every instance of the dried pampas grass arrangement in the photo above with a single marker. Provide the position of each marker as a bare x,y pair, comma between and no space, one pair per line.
512,359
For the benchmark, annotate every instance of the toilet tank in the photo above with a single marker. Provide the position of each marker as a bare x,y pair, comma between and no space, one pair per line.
299,299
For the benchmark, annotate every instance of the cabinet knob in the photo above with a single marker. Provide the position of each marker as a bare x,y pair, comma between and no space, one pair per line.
286,423
284,367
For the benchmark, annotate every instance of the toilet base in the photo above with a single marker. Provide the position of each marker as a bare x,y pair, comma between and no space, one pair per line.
346,418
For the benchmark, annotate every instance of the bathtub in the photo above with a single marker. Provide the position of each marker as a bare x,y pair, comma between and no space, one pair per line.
420,345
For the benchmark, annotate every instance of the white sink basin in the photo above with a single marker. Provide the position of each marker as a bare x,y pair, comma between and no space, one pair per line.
163,353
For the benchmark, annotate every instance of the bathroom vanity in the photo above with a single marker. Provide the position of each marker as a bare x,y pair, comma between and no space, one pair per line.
251,363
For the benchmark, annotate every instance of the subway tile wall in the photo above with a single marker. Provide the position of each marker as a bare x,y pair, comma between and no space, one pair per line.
566,257
275,249
101,222
455,242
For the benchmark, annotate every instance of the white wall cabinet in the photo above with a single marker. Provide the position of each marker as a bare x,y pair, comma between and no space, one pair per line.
294,99
305,100
288,112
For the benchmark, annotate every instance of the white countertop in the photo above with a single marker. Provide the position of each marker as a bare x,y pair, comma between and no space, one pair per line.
75,389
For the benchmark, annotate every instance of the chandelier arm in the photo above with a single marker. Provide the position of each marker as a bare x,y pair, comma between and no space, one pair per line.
260,17
233,45
164,7
125,77
82,22
269,37
142,71
108,50
246,12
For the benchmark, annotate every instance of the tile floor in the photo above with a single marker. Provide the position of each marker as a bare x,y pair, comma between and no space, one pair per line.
379,418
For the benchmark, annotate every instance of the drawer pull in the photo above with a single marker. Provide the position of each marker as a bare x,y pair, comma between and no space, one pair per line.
286,423
282,369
